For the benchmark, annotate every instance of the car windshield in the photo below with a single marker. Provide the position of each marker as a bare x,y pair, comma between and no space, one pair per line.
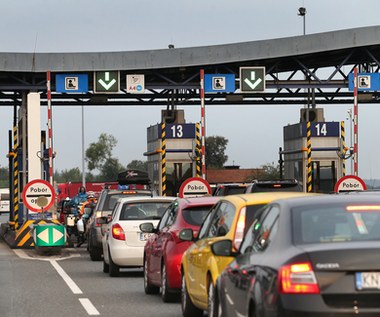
195,215
336,223
143,210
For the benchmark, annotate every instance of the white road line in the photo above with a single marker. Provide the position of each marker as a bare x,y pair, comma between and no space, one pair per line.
87,305
70,283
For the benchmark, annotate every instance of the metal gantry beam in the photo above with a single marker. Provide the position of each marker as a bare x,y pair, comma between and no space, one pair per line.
286,81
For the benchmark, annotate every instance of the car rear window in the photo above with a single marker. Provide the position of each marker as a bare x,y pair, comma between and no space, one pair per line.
269,187
230,190
337,223
143,210
195,215
111,199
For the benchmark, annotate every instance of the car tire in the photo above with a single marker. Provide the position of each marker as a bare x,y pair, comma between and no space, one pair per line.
149,288
114,269
168,295
213,303
187,306
106,267
95,253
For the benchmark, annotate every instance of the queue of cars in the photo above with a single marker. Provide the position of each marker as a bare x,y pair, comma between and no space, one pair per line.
275,253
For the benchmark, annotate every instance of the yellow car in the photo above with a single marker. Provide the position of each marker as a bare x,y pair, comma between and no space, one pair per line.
228,219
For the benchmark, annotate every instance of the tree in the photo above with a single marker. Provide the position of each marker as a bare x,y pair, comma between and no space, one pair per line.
215,147
270,171
138,165
4,177
99,152
110,169
72,175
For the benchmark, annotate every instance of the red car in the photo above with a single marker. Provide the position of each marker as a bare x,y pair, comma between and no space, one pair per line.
163,250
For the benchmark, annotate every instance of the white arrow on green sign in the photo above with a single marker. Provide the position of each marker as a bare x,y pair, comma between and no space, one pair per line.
50,236
252,79
106,82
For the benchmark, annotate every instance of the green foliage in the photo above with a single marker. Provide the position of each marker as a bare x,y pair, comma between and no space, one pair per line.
270,171
99,152
215,148
71,175
138,165
4,177
110,169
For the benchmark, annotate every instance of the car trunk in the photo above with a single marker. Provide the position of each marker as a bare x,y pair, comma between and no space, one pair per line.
133,235
347,273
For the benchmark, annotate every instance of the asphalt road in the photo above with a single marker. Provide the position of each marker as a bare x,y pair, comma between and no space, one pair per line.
70,284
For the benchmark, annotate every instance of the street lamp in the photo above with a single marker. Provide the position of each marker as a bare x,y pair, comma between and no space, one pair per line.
302,13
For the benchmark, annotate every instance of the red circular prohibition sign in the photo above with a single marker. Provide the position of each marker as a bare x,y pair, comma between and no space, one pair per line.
35,189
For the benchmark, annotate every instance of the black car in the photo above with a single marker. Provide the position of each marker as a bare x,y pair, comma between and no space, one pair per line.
288,185
313,256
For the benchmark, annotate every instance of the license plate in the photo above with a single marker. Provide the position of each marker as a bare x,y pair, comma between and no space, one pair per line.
367,280
144,236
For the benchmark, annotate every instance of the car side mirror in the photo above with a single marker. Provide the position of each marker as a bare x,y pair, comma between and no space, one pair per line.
186,234
102,220
147,227
223,248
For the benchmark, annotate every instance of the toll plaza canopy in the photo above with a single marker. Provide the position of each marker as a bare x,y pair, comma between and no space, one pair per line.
291,65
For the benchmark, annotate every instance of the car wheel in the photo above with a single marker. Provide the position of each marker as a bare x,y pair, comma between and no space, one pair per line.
95,253
167,294
187,306
213,304
252,311
149,288
106,267
113,268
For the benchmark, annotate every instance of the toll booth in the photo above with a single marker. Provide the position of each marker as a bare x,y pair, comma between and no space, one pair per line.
327,151
173,152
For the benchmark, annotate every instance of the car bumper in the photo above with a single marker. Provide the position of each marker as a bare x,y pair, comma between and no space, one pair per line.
314,306
126,256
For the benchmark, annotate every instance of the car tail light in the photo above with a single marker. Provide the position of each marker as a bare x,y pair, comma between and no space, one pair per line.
118,232
298,278
239,231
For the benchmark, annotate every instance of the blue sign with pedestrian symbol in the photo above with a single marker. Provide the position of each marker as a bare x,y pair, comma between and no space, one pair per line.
71,83
219,83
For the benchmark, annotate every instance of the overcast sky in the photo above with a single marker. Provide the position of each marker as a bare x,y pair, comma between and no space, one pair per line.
254,133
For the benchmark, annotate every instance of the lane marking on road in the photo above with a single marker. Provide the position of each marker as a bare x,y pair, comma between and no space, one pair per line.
70,283
86,303
89,307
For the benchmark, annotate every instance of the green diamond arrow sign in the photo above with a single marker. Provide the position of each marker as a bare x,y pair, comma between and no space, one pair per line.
49,235
106,82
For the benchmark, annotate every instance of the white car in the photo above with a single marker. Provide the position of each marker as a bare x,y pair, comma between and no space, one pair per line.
123,242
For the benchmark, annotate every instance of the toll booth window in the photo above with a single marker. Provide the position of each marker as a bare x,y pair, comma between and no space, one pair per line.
324,176
176,173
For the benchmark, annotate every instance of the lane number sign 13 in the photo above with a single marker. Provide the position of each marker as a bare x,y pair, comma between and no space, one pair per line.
180,131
